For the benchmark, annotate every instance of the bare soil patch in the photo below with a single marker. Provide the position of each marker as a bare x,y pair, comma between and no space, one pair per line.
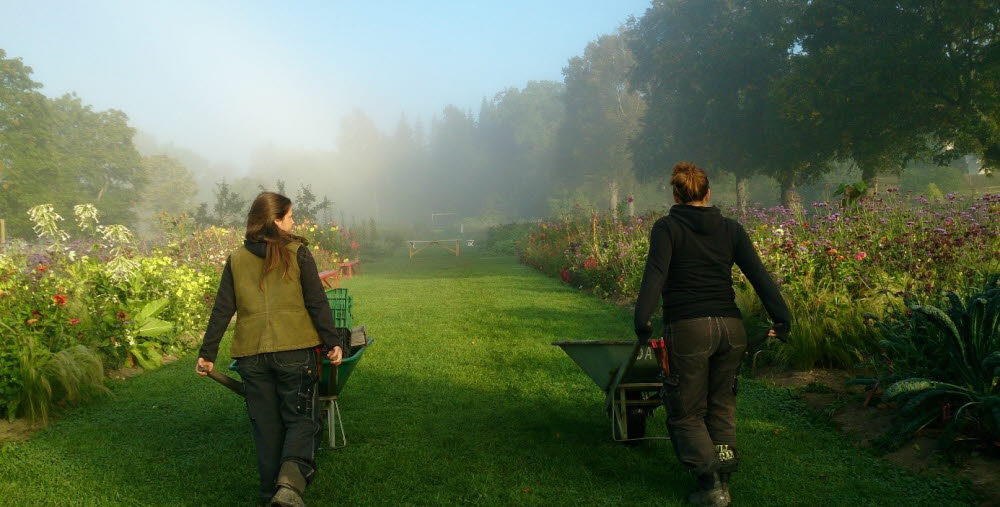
16,431
826,392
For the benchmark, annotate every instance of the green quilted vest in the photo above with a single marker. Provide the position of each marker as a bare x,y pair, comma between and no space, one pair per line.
273,319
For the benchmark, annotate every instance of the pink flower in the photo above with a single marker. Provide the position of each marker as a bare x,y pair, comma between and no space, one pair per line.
860,256
565,275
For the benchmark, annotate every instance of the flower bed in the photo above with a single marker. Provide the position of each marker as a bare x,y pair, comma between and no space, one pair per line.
838,265
71,308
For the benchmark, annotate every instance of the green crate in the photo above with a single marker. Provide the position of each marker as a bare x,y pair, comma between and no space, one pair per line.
337,294
340,304
339,299
342,318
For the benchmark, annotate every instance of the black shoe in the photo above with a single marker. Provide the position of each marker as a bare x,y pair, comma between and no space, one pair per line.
710,492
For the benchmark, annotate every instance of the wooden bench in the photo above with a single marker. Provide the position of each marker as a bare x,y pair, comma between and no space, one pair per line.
325,277
345,269
348,268
415,246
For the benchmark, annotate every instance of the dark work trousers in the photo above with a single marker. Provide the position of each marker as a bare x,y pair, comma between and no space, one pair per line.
281,395
700,393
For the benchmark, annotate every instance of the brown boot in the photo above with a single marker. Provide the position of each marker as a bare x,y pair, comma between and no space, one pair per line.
291,485
709,492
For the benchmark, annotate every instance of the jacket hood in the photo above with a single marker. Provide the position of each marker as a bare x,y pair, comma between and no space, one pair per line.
700,219
258,248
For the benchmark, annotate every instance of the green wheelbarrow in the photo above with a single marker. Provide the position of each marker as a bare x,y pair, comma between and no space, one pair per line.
629,372
331,384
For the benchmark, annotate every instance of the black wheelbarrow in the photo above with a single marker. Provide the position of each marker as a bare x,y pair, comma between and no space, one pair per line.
630,373
331,384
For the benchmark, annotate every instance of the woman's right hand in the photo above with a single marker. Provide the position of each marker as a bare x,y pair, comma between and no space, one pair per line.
203,367
336,355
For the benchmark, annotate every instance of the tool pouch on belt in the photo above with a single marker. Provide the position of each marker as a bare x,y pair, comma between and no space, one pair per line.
671,386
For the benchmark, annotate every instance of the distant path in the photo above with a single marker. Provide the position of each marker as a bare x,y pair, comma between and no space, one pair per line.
461,400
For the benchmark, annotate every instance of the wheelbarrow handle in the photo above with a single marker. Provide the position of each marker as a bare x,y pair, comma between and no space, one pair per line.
629,361
228,382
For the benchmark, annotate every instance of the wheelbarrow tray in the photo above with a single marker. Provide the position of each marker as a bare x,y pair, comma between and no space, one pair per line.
601,360
629,374
332,380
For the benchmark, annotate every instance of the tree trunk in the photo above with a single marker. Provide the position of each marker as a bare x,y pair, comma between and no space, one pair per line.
790,198
869,174
614,195
741,195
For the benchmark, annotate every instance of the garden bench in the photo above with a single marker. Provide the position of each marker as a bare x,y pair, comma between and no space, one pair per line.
414,250
347,268
325,277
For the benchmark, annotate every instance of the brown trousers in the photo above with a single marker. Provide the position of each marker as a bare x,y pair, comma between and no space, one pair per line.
700,393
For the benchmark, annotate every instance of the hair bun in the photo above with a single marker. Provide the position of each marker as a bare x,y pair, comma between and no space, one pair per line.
690,182
685,168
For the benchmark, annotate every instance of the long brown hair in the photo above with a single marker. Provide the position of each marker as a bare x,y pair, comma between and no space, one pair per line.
689,181
266,208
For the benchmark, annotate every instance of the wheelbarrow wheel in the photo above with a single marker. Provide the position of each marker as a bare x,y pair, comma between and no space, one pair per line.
635,419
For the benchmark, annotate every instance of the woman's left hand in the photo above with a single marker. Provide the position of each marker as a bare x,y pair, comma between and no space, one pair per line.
203,367
336,355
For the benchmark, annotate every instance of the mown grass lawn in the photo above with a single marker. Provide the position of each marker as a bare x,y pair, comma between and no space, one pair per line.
462,400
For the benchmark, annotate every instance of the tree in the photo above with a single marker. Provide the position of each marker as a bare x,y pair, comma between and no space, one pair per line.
96,158
602,117
708,72
229,209
359,147
453,179
518,129
170,187
25,156
895,81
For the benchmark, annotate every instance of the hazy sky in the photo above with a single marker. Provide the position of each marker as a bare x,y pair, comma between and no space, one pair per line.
223,78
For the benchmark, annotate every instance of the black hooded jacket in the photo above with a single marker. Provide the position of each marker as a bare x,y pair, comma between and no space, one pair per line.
312,293
690,262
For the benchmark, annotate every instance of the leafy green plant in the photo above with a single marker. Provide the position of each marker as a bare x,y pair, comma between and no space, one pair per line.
147,353
852,192
945,365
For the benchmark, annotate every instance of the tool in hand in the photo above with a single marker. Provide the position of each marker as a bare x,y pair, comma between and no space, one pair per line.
659,346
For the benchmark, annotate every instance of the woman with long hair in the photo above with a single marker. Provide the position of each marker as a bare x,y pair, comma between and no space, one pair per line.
282,319
691,254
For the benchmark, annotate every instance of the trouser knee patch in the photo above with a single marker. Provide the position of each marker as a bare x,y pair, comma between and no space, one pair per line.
728,459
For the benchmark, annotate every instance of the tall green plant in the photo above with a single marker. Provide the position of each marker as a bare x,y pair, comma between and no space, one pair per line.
947,365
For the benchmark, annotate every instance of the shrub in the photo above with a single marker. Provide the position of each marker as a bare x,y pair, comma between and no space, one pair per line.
943,365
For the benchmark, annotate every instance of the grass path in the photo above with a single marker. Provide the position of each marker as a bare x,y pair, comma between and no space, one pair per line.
461,401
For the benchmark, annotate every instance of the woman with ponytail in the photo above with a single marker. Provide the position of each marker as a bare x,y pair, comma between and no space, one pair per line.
691,254
282,321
